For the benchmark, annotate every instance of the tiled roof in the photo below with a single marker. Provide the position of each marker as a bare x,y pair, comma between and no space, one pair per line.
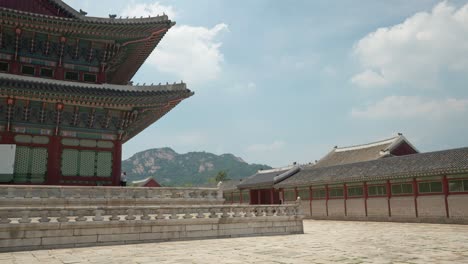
77,16
359,153
230,185
140,183
415,165
11,84
266,178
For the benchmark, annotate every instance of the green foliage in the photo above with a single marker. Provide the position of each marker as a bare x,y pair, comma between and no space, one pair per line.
190,169
220,176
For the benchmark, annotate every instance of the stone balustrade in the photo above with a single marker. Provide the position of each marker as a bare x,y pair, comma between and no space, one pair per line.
14,215
29,228
22,195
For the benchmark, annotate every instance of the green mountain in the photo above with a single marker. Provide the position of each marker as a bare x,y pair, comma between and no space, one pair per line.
170,168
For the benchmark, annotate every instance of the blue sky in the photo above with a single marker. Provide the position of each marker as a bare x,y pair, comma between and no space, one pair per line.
283,81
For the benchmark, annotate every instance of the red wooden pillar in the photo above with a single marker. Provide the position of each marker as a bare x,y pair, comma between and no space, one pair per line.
295,193
366,195
259,196
101,77
415,195
345,194
53,161
7,137
326,198
232,197
389,196
282,196
117,163
240,196
272,196
445,187
59,73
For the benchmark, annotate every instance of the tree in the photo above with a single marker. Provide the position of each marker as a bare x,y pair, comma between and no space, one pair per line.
220,176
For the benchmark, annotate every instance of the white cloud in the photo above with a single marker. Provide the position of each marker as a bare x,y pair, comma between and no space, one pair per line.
191,53
411,107
146,9
369,78
417,51
274,146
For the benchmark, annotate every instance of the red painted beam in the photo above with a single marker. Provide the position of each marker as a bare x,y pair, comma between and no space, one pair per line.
345,193
366,195
271,196
415,195
389,196
53,161
326,198
117,163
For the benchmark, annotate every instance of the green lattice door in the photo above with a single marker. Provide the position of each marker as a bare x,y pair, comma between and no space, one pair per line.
104,164
30,165
86,163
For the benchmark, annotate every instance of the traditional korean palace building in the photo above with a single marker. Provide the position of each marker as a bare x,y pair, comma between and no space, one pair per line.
385,180
66,98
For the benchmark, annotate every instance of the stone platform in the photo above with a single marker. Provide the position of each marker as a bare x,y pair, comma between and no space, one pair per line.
323,242
54,217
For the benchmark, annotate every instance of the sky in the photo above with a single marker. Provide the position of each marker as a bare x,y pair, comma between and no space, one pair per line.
278,82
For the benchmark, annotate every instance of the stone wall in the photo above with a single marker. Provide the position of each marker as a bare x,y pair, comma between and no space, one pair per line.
319,208
430,208
34,195
52,216
355,207
336,208
116,225
403,207
377,207
458,206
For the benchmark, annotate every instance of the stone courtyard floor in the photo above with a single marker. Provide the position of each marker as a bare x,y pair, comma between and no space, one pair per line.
323,242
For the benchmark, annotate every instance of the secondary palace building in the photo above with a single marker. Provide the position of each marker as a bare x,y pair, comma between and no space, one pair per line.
66,100
384,180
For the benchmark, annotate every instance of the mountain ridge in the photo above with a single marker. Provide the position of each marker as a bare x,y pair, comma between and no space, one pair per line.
194,168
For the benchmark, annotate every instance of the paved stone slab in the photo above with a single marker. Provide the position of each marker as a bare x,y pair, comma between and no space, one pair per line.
323,242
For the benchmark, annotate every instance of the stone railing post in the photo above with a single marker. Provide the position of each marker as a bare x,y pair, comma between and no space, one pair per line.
159,215
4,217
220,190
98,215
11,193
225,212
80,216
130,214
174,214
63,216
145,215
270,211
187,214
44,217
237,212
298,206
200,213
213,213
25,217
